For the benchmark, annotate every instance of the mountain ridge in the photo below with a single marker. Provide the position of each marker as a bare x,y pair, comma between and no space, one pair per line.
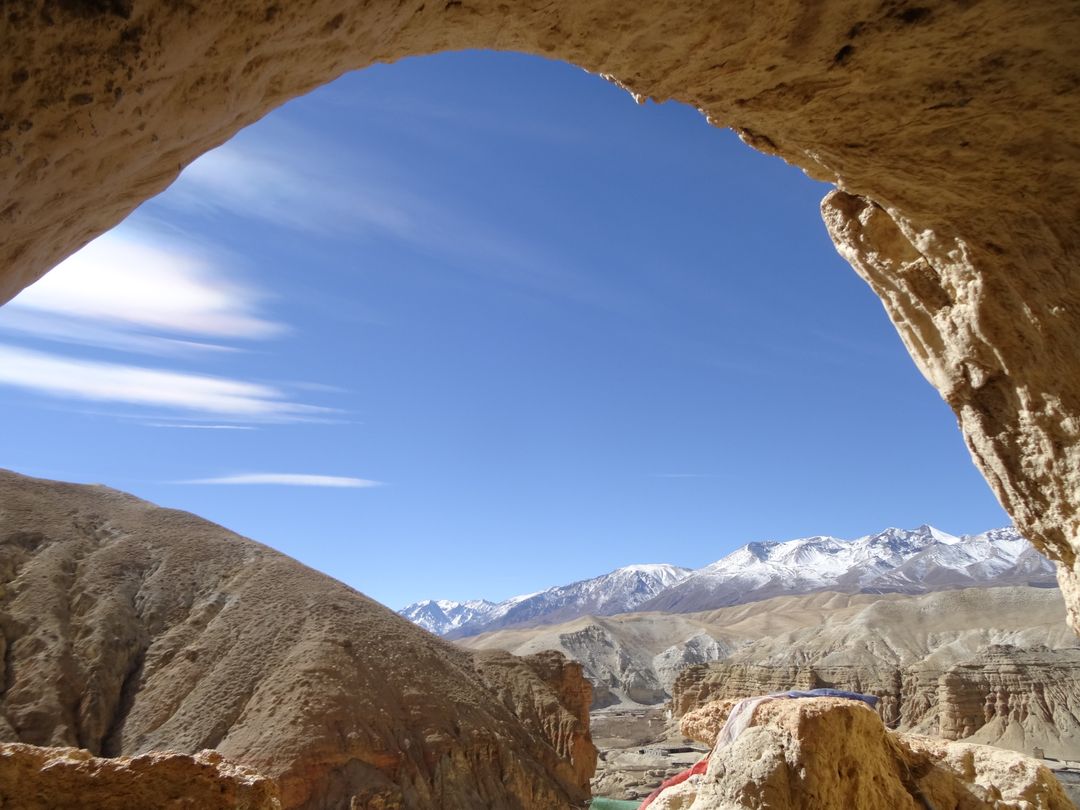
894,560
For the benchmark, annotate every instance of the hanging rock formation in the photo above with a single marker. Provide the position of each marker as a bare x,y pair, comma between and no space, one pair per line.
949,128
829,753
128,628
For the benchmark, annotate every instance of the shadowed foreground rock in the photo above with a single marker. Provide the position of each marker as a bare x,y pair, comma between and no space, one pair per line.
129,628
829,753
33,778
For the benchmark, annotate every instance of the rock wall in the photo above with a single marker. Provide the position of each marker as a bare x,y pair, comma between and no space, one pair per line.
1009,697
127,628
949,128
33,778
1006,697
830,753
617,672
551,697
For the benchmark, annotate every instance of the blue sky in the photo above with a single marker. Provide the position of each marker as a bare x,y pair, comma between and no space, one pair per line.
476,324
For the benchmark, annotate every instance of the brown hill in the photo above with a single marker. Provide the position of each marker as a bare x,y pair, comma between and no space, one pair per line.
129,628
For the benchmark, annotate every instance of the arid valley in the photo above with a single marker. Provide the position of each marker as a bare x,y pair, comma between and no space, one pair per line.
540,405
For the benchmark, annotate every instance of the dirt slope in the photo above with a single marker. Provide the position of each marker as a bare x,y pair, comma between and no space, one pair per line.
129,628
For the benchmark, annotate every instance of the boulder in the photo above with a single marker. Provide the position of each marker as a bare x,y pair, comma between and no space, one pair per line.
34,778
827,753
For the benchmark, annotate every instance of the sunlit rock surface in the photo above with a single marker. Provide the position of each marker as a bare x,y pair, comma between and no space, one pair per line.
830,753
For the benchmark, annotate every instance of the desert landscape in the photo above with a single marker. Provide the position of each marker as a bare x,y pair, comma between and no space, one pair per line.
151,658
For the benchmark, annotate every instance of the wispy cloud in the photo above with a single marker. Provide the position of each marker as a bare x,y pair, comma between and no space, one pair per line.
141,292
685,475
275,185
286,182
196,426
286,479
68,377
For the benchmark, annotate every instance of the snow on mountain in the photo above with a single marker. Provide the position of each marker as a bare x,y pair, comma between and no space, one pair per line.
441,616
894,560
620,591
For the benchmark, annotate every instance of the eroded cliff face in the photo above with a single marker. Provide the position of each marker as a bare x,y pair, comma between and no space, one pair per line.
829,753
1023,699
33,778
128,628
1005,696
949,128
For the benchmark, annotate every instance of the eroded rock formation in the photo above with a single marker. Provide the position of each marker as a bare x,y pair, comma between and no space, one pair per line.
1007,697
893,645
33,778
128,628
829,753
1023,699
949,128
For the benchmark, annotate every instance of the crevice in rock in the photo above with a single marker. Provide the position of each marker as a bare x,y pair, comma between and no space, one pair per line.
113,741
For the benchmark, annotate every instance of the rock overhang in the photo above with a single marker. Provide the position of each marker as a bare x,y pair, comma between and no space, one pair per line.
948,128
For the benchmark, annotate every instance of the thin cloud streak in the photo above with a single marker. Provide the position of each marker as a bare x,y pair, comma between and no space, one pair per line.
286,479
289,186
142,292
263,184
182,426
70,378
685,475
70,330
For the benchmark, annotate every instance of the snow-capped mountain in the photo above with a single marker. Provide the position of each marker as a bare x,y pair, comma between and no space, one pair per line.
895,560
620,591
441,616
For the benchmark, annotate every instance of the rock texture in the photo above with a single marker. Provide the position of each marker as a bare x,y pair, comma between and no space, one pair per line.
33,778
128,628
949,128
1023,699
829,753
893,645
1011,698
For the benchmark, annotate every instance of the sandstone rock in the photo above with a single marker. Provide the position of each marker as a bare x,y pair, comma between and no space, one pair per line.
1021,699
950,130
33,778
129,628
969,663
830,753
893,645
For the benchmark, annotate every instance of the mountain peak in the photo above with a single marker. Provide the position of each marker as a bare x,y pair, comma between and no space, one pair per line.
905,560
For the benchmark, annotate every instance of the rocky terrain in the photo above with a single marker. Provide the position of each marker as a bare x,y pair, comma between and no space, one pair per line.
832,753
128,628
636,657
891,561
949,130
974,664
33,778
